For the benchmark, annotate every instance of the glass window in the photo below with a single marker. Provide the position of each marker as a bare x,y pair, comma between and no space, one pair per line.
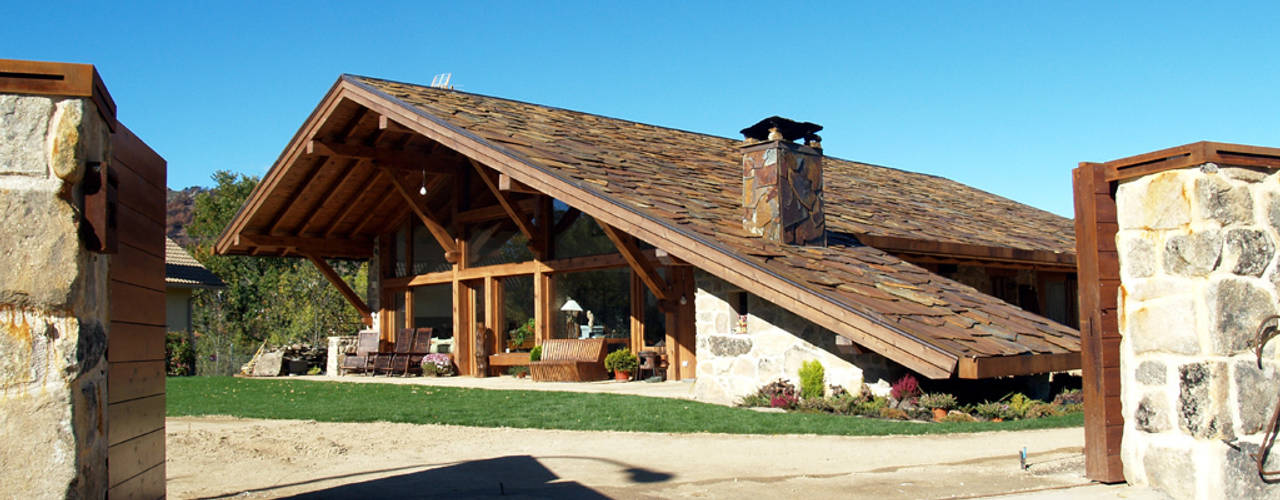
497,243
577,234
433,308
517,309
655,321
428,255
398,242
605,299
397,318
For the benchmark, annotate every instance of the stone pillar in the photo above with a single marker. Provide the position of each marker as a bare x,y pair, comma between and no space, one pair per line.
1197,264
782,193
53,302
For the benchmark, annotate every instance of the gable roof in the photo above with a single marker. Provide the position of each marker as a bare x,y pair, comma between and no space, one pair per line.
181,270
679,192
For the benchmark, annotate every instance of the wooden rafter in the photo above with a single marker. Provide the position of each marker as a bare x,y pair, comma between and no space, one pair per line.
350,248
388,124
522,220
438,231
294,196
639,263
488,213
324,198
366,315
402,160
370,214
350,204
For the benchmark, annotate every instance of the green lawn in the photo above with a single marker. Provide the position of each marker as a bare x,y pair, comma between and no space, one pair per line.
352,402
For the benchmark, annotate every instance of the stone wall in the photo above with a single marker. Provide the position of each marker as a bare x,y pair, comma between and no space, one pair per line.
53,303
1197,263
733,364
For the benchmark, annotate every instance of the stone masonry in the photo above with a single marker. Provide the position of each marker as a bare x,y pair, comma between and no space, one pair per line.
782,193
733,364
1197,251
53,302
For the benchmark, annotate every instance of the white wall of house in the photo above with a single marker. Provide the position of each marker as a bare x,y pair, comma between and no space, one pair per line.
776,343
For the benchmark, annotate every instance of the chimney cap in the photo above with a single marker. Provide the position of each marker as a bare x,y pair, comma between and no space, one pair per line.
790,129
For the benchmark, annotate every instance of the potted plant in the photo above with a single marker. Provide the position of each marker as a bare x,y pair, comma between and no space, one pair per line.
621,362
437,365
939,402
517,337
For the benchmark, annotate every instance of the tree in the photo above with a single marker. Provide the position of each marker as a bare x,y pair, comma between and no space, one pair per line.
278,300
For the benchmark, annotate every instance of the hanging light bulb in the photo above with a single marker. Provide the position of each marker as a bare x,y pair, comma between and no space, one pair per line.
423,190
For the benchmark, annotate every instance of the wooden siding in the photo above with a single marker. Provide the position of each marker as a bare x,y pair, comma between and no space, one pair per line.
135,351
1099,278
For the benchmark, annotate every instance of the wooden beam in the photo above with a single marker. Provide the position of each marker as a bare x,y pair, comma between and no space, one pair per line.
521,219
626,246
373,211
328,247
506,183
366,315
1029,364
491,212
388,124
401,160
438,231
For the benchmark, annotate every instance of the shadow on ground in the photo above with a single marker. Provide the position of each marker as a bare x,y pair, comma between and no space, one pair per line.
519,476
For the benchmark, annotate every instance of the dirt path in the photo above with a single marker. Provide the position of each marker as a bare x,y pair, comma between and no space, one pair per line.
222,456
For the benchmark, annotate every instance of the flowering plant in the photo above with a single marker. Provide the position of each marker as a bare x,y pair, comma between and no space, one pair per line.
437,365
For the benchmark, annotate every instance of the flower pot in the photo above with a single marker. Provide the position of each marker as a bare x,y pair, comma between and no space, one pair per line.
997,419
621,375
939,414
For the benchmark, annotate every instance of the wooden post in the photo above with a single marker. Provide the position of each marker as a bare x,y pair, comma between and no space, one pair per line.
1099,281
637,313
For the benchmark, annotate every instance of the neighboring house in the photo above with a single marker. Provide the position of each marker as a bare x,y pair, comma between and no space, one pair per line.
183,274
737,259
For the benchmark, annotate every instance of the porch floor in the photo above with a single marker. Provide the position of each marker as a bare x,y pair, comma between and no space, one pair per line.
671,389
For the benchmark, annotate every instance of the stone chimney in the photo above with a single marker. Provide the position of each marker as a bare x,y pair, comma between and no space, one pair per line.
782,182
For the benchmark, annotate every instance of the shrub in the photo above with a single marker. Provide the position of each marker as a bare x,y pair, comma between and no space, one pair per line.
871,407
938,400
315,370
515,371
837,391
844,404
785,401
1019,404
753,401
437,365
179,356
812,377
905,388
1041,409
1069,397
819,405
535,354
779,394
621,360
989,410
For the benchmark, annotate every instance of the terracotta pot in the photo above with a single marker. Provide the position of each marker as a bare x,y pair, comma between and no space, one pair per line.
939,414
621,375
997,419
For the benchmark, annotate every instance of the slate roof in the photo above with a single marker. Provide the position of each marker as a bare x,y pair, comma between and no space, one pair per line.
181,270
693,181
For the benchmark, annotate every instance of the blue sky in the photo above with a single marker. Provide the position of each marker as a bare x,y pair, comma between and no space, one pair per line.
1007,97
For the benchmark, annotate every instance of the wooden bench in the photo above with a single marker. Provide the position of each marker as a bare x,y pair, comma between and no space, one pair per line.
570,360
367,344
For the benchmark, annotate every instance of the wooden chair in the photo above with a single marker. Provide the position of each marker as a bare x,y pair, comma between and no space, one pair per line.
418,348
367,343
570,360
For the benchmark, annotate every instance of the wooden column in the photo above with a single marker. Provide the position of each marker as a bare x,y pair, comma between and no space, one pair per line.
544,311
1099,281
637,313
